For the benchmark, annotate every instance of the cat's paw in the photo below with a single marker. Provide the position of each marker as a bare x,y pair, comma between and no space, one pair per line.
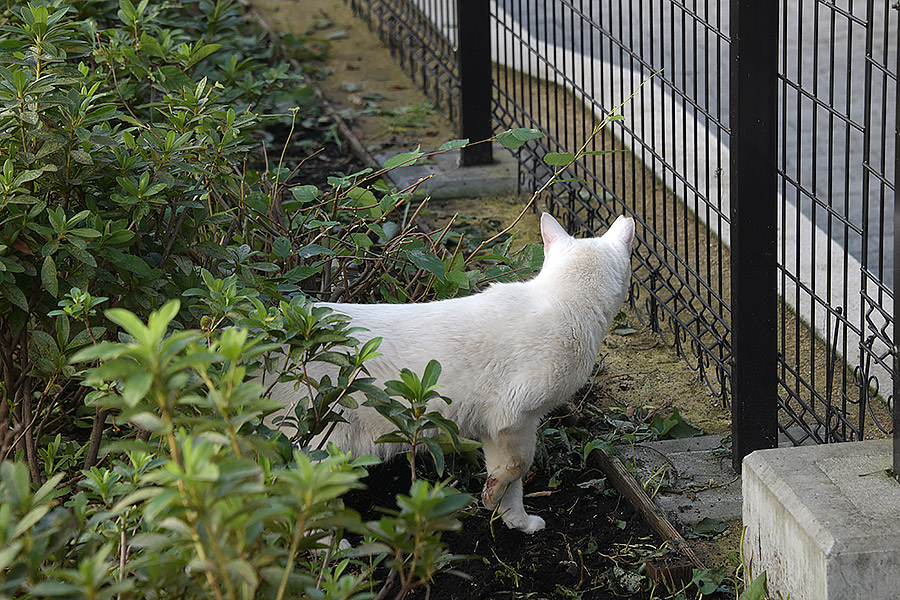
526,523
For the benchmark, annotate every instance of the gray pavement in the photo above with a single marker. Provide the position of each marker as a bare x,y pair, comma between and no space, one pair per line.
441,176
690,479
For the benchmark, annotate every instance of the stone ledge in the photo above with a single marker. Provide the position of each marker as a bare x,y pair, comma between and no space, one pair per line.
824,521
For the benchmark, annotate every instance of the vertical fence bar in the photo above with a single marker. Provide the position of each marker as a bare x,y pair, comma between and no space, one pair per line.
754,225
473,26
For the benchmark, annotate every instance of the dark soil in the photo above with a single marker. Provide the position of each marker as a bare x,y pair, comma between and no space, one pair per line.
314,151
595,544
570,558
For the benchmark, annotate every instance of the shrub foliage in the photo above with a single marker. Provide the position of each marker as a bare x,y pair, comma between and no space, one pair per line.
147,225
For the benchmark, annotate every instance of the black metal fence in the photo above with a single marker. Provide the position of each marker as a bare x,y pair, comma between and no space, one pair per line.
758,161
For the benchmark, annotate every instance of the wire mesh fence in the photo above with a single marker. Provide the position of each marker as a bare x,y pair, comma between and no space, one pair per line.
562,65
421,37
837,97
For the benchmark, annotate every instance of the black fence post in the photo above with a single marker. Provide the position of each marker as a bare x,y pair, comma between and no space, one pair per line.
473,55
754,225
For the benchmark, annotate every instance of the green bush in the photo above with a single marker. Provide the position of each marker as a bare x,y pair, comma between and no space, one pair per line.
215,512
135,170
129,133
122,132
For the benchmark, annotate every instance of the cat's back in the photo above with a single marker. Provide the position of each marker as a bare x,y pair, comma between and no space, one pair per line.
480,329
491,311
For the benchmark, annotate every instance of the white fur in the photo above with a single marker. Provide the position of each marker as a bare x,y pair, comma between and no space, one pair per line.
508,355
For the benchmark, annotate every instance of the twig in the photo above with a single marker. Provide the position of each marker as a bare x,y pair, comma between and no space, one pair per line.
579,154
171,233
96,437
663,456
388,584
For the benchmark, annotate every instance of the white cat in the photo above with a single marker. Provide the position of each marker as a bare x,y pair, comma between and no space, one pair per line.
508,355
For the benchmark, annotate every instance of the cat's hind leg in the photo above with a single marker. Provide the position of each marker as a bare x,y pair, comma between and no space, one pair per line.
508,456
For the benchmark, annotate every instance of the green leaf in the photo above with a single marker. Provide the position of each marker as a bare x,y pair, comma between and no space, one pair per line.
757,589
461,445
30,519
120,237
201,53
81,157
159,319
452,144
49,147
102,351
44,346
265,267
136,387
9,554
16,481
437,453
81,255
27,176
431,375
174,79
453,502
86,232
305,193
281,247
243,570
55,588
128,262
428,262
128,321
369,349
707,527
403,159
516,138
311,250
62,330
361,239
674,426
559,159
48,491
49,277
12,293
148,421
459,278
151,540
391,438
50,248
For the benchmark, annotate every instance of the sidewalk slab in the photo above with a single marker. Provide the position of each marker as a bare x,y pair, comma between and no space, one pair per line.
823,521
448,179
699,480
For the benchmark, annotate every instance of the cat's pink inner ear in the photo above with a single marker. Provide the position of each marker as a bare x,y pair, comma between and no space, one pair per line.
551,231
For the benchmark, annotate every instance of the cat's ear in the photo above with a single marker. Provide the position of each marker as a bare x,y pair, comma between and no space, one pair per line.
622,231
552,232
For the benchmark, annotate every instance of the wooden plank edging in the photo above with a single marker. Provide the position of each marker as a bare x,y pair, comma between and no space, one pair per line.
627,486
